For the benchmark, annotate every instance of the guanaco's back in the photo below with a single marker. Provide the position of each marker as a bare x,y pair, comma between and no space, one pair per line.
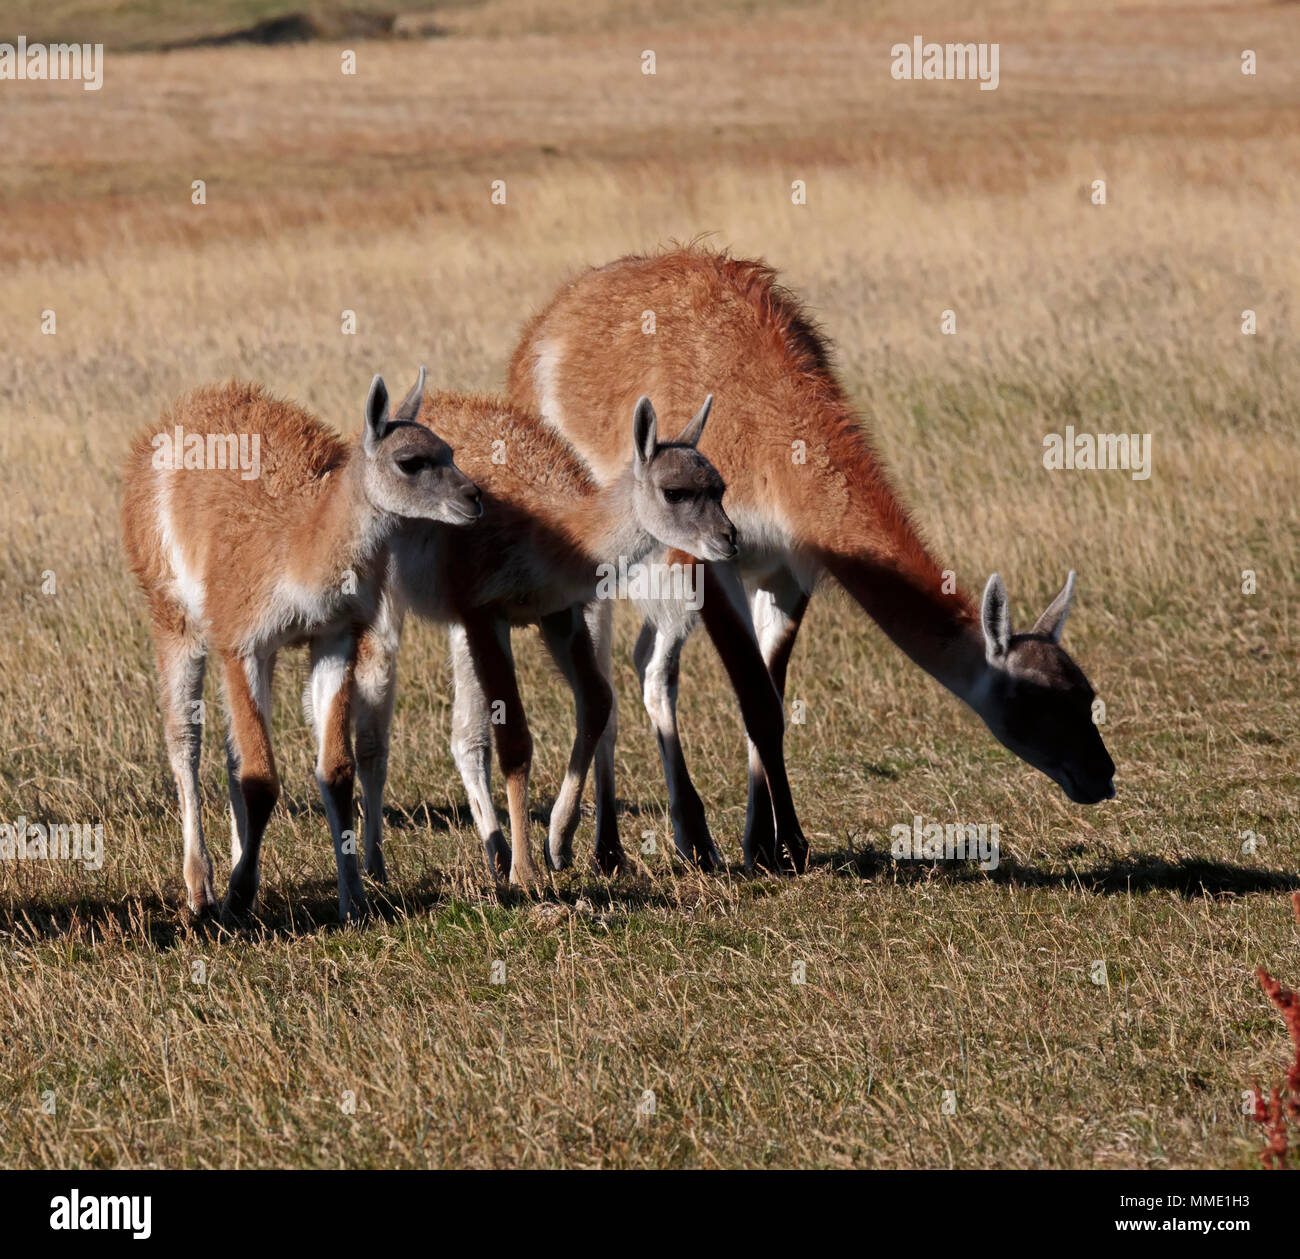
221,501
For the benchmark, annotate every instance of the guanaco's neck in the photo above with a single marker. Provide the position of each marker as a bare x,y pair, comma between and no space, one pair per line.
343,530
867,541
938,630
604,526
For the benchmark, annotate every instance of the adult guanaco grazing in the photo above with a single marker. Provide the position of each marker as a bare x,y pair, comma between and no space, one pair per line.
246,564
536,558
808,495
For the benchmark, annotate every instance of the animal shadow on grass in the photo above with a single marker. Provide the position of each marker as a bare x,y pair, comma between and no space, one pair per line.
303,908
1189,877
310,906
295,908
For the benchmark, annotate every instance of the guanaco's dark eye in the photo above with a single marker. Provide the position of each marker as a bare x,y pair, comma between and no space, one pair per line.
413,464
676,496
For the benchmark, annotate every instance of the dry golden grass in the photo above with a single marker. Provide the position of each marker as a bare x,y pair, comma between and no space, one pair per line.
371,194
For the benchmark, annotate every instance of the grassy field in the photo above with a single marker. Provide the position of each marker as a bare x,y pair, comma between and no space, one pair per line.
928,990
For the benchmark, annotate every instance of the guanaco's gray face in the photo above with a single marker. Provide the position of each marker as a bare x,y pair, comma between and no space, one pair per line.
1036,700
676,491
408,468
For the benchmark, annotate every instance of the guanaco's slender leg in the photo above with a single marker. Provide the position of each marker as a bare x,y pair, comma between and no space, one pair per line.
238,813
181,665
374,690
471,747
727,618
330,691
658,656
777,608
569,642
488,639
600,625
248,694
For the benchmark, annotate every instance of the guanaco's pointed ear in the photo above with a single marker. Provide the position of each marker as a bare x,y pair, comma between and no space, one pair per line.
376,414
996,619
690,435
410,407
645,435
1052,622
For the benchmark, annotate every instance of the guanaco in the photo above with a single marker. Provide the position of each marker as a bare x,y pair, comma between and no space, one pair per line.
808,495
240,564
536,558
